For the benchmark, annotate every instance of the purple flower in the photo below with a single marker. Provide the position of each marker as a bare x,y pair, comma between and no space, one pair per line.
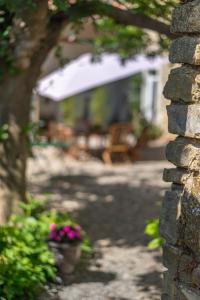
67,229
61,232
71,234
53,226
78,228
52,235
78,235
64,233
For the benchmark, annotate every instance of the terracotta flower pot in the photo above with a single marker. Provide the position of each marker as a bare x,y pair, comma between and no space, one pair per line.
67,256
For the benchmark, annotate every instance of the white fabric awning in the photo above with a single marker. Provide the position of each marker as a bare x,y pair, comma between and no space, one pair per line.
82,74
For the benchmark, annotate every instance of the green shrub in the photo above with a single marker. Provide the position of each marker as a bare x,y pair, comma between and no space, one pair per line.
152,230
26,262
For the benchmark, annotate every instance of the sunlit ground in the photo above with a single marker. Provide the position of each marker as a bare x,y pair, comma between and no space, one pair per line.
112,203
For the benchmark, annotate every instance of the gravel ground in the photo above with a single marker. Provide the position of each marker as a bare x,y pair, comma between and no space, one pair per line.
112,203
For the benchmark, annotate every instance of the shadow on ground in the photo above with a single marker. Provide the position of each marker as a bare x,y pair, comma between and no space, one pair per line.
150,280
113,206
114,211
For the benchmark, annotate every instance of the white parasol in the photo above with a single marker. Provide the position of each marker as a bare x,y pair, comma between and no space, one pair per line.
82,74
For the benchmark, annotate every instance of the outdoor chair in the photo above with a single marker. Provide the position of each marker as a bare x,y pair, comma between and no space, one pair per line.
119,144
59,132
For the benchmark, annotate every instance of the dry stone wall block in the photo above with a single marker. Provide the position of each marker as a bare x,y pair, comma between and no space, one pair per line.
178,263
185,49
183,84
196,276
190,216
171,289
184,120
189,293
177,187
170,214
177,175
191,237
186,18
184,152
165,297
171,255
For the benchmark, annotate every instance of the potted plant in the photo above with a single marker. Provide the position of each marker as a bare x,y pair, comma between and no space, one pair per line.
65,242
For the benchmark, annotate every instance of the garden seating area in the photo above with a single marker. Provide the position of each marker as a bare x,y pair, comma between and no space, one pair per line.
118,143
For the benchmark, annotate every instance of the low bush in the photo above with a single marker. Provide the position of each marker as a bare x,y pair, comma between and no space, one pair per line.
26,262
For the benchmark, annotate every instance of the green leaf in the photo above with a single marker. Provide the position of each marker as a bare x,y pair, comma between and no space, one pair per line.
155,243
152,228
61,5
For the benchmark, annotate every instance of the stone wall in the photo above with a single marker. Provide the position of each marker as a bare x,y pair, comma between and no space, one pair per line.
180,217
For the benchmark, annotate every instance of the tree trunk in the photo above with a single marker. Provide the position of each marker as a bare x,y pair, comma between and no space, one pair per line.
15,95
14,111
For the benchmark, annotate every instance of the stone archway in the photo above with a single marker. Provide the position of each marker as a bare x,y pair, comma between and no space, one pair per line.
180,218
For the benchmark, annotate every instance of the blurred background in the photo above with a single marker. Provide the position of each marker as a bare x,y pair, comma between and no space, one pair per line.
83,131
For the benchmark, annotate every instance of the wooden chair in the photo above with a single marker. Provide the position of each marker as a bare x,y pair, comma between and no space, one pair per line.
118,143
59,132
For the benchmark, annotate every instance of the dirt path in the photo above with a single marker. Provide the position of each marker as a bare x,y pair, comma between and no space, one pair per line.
112,204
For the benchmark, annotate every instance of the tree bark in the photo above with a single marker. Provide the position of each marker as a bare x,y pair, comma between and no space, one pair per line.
15,101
